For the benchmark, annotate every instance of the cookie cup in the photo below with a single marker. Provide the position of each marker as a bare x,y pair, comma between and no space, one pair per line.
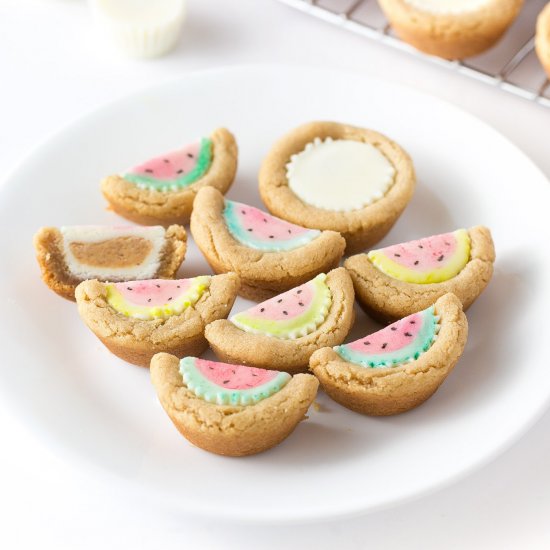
137,340
386,299
263,274
451,35
226,429
233,345
151,207
387,391
360,228
542,39
48,244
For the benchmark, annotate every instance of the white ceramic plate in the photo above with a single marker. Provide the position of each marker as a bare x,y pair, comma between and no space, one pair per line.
96,410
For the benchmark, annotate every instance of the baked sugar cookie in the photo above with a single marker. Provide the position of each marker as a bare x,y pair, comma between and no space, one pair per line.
398,367
269,254
331,176
231,410
162,190
398,280
452,29
137,319
285,330
71,254
542,39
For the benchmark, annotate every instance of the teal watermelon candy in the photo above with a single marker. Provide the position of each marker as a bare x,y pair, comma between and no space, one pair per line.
257,229
175,170
290,315
401,342
226,384
156,298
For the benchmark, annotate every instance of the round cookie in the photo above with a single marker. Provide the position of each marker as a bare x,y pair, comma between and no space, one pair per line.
331,176
162,190
398,367
269,254
137,319
285,330
72,254
542,39
231,410
396,281
452,29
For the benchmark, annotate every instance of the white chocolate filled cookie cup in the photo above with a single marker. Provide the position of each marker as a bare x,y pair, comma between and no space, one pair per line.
152,206
361,227
228,429
452,29
386,298
393,390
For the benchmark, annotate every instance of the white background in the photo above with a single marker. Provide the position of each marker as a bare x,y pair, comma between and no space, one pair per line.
53,68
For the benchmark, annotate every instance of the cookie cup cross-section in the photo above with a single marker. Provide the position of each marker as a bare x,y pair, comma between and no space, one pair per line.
136,340
452,30
386,298
151,206
69,255
231,430
362,226
393,390
263,273
234,345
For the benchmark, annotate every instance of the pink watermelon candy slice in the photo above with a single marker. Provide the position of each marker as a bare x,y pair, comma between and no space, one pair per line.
430,260
403,341
227,384
257,229
156,298
175,170
290,315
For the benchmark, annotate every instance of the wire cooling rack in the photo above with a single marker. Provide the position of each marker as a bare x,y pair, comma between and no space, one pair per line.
511,65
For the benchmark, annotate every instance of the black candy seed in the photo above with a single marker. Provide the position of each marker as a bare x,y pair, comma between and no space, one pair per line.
249,229
129,287
440,259
254,374
158,286
420,246
384,345
416,262
178,286
190,155
149,171
289,231
180,172
299,292
233,371
211,368
265,220
366,343
262,309
408,334
413,322
397,255
166,160
271,237
148,299
226,381
285,312
300,304
243,212
394,328
279,300
170,298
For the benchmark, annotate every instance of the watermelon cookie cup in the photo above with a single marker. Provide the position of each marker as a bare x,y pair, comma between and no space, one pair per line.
72,254
452,29
398,280
137,319
269,254
231,410
398,367
284,331
162,190
331,176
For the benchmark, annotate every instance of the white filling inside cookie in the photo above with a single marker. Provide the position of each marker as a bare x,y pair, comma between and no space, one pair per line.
447,6
136,255
339,174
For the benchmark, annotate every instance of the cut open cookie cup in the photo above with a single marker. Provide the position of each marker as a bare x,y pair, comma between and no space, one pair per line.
269,254
285,330
332,176
386,297
144,198
69,255
231,429
122,316
366,384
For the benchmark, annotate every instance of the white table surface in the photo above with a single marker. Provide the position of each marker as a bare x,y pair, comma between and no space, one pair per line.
52,70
